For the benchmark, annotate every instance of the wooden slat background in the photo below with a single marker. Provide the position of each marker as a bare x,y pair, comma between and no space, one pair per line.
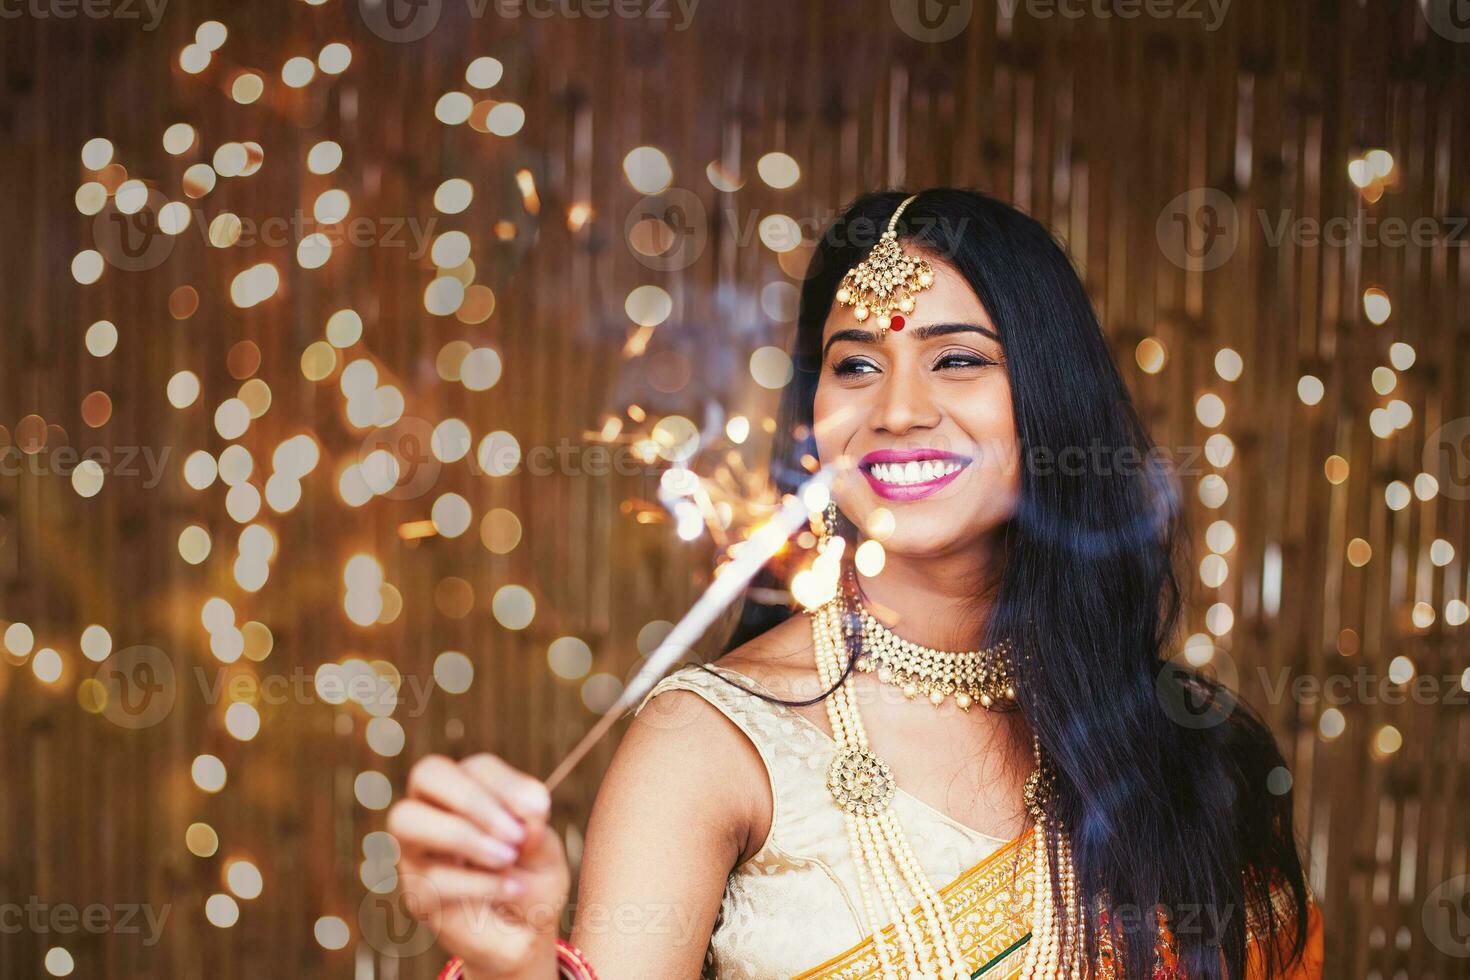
1092,123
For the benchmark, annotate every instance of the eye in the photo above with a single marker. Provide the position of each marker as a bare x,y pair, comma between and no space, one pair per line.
961,359
854,366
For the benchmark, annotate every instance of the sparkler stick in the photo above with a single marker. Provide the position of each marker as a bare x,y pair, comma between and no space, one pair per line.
753,554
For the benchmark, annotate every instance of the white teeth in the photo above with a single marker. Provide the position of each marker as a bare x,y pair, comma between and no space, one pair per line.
902,474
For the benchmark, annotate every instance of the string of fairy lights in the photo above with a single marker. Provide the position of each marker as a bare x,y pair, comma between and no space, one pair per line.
707,488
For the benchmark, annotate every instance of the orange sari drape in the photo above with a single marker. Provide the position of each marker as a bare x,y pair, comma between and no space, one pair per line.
989,905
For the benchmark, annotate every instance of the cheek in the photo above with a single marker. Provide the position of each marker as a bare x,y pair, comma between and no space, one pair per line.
991,423
984,411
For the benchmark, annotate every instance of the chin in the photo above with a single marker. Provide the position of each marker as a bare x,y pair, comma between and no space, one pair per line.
917,530
927,522
929,538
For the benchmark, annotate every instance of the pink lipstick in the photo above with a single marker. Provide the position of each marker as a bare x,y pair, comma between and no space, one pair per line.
911,474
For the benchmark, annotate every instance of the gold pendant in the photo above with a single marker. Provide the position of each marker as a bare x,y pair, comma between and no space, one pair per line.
860,782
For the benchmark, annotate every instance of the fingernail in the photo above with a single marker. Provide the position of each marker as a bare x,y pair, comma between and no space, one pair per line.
536,799
498,852
512,887
510,828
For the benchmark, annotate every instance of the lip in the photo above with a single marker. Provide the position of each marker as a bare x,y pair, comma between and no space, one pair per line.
910,491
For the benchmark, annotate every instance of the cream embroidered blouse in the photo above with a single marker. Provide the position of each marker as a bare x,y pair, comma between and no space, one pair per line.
795,903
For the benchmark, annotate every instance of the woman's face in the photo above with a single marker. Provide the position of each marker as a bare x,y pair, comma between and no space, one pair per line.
924,417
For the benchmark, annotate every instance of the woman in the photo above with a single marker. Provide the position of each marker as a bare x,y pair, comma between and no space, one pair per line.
977,761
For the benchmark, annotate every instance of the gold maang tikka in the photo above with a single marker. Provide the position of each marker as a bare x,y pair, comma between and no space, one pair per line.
883,284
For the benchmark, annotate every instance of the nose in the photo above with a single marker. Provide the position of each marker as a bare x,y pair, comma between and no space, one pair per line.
904,403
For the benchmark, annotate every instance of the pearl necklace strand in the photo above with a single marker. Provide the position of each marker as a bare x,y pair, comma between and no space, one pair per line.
863,786
1047,956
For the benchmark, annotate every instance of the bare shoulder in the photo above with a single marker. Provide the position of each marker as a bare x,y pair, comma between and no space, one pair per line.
684,801
680,747
780,659
679,729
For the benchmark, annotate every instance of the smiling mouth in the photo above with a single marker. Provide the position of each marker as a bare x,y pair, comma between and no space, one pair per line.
911,474
914,472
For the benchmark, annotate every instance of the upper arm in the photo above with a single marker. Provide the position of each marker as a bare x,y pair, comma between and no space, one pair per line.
670,821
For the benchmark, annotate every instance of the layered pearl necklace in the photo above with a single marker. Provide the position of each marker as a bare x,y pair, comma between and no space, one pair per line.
863,787
1047,954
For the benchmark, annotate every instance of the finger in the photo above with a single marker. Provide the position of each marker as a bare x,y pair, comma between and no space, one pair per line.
419,826
451,897
525,796
438,882
440,780
470,890
420,898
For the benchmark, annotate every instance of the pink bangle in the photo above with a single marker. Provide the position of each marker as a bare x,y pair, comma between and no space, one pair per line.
570,963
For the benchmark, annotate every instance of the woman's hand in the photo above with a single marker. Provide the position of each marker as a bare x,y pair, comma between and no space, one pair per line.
480,866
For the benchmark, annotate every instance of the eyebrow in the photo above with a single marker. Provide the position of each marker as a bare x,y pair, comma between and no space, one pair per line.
927,332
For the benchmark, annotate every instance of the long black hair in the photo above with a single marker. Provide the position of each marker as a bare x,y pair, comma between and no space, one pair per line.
1161,775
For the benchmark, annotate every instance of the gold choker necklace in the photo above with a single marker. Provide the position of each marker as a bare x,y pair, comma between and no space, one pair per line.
981,676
